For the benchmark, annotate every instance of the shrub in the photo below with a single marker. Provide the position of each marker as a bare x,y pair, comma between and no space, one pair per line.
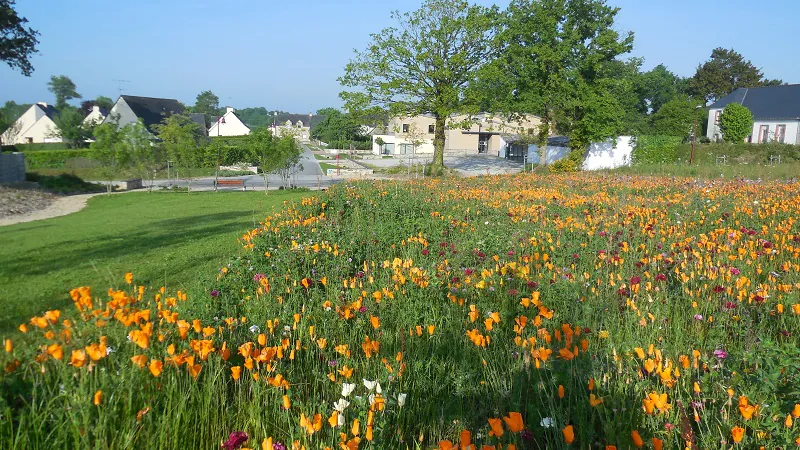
66,184
736,123
572,163
656,149
54,159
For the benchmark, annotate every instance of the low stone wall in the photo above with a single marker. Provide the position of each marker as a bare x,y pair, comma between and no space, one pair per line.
12,167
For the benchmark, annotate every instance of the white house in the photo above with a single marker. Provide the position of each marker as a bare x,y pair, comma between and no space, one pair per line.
95,117
34,126
776,113
464,135
151,111
228,124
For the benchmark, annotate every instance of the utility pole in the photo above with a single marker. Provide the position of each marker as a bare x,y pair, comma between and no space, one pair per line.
694,134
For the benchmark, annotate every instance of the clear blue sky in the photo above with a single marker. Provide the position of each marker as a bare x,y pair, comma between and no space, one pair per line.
287,55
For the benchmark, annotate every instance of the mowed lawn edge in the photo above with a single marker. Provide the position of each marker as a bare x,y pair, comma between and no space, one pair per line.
173,239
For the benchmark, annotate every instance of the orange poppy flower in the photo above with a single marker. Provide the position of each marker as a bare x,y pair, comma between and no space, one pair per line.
658,444
497,427
465,439
514,422
431,329
78,358
129,277
737,433
560,391
594,400
236,372
156,366
140,338
286,402
796,410
376,322
447,445
637,440
333,420
355,430
139,361
194,370
56,351
98,397
9,346
569,434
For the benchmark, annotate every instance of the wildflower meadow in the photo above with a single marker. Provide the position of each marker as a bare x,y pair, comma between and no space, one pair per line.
504,312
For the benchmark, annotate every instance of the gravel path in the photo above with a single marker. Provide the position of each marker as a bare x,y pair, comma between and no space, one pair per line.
59,206
23,200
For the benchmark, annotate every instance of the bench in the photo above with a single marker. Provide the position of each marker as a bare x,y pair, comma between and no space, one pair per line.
226,182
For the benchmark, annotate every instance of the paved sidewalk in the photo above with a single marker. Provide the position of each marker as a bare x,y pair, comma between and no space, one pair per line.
60,207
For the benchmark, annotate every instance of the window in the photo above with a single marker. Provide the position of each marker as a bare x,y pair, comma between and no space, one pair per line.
431,129
406,149
780,134
388,149
29,140
405,128
763,134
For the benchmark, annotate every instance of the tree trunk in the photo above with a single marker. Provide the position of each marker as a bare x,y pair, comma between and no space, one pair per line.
438,142
544,133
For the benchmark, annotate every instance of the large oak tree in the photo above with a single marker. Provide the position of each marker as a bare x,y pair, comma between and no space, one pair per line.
559,61
423,65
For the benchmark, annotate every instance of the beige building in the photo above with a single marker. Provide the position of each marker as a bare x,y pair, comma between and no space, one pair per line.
464,135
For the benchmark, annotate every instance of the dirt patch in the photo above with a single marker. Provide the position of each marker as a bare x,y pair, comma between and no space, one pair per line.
16,201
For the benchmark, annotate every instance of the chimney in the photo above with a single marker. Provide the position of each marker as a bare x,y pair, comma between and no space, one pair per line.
42,104
228,110
96,109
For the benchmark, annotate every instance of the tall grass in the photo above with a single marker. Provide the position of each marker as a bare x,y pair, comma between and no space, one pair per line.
572,300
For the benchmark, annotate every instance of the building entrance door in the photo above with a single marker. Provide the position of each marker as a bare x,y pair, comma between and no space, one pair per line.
483,142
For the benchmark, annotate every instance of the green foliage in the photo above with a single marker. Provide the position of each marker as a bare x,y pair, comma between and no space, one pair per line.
656,149
37,147
677,117
424,65
180,142
741,153
657,87
110,149
17,43
736,123
145,156
725,72
104,102
207,103
572,163
63,89
338,127
64,184
55,159
559,62
71,128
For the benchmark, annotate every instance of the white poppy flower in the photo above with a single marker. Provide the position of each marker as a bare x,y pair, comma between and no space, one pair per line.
340,405
373,386
401,399
255,329
347,389
547,422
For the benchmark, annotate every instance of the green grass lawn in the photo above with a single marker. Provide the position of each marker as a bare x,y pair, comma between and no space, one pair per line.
161,237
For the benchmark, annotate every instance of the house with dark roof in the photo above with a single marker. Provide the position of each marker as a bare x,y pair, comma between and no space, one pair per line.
34,126
151,111
776,113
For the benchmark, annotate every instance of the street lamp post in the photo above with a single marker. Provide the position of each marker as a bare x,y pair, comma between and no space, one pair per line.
220,122
694,134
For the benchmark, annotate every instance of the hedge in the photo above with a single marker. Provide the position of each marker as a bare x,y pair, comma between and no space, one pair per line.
54,159
25,148
656,149
740,153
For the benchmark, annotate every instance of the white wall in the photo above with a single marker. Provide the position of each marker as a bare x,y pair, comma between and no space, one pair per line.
610,154
233,126
713,132
425,149
792,129
553,153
